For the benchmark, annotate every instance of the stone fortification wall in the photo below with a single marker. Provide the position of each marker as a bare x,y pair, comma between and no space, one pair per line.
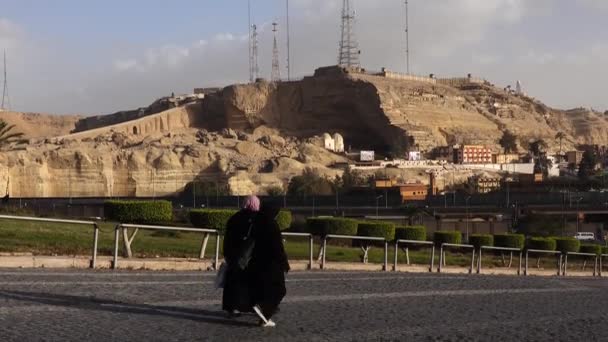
460,81
406,77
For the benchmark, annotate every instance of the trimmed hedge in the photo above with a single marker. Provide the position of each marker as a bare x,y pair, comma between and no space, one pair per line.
567,245
414,233
545,244
384,230
605,250
447,237
479,240
591,249
211,218
141,212
284,219
322,226
510,240
218,218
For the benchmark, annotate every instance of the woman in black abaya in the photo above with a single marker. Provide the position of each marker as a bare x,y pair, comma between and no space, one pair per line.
268,265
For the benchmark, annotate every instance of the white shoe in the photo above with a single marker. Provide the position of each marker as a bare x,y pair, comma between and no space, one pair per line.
258,311
269,324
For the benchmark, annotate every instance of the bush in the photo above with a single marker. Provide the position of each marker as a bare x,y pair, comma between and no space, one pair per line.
605,250
413,233
447,237
284,219
544,244
479,240
510,240
567,245
322,226
211,218
591,249
142,212
377,229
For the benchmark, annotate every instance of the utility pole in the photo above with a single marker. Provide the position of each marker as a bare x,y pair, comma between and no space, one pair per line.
407,38
6,103
349,48
275,75
288,46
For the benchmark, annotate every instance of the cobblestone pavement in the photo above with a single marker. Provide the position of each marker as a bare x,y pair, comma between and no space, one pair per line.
70,305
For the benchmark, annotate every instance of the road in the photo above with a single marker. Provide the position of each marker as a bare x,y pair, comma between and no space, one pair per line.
75,305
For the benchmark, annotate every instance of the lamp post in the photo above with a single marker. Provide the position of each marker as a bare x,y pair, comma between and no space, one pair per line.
377,199
467,217
578,200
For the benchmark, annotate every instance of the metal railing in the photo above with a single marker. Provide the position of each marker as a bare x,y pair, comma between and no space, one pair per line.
454,245
128,240
361,238
565,264
540,251
93,262
414,242
504,249
310,245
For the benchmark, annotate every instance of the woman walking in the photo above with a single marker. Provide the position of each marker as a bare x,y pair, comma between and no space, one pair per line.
236,298
268,265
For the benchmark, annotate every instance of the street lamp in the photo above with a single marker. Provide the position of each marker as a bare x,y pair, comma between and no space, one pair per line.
578,200
378,199
466,201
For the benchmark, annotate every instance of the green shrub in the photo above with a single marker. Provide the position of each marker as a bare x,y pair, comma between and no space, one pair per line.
591,249
284,219
211,218
567,245
605,250
322,226
479,240
510,240
447,237
544,244
413,233
142,212
377,229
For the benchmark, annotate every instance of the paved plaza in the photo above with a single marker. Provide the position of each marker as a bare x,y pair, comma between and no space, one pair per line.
76,305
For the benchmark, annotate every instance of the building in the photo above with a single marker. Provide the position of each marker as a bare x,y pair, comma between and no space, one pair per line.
443,154
385,183
505,158
574,157
484,185
413,192
414,156
473,154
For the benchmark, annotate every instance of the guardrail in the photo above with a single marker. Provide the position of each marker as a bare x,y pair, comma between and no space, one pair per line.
565,265
362,238
414,242
128,240
540,251
310,245
505,249
93,262
454,245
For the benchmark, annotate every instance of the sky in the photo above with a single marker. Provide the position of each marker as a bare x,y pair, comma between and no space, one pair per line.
98,57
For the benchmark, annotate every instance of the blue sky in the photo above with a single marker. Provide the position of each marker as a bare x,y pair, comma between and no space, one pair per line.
93,57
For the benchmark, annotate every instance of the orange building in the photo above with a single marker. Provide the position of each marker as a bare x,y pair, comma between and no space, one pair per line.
413,192
474,154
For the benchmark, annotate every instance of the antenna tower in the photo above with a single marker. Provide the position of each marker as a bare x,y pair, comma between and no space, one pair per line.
255,70
275,75
407,38
251,72
288,47
349,48
6,103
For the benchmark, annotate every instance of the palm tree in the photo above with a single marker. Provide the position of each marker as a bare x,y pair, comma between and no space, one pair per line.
6,137
560,136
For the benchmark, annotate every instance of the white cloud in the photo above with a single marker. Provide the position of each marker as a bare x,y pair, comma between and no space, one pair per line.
224,37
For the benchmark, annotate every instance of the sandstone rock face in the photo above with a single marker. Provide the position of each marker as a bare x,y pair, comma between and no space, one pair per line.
113,165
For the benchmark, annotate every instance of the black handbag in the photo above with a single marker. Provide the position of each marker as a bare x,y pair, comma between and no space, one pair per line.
247,249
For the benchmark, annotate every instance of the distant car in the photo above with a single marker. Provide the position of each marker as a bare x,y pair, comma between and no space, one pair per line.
585,236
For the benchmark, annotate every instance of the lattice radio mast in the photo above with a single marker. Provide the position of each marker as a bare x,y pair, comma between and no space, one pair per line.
288,47
255,70
407,38
251,72
6,103
275,75
349,48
